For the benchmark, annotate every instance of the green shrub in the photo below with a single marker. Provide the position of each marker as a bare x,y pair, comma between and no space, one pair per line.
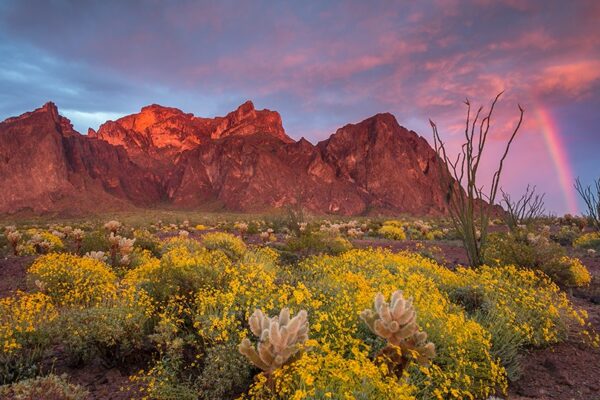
528,250
51,387
95,241
179,272
70,279
588,241
309,243
147,241
24,334
231,245
392,231
566,235
225,375
113,331
179,242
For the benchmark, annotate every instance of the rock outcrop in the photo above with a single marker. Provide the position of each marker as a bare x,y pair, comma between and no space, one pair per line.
243,161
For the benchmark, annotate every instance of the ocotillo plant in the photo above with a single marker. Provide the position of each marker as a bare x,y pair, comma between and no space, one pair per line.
465,194
280,339
396,323
525,210
592,201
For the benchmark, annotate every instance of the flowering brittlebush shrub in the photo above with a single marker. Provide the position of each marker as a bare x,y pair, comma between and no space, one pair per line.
391,230
231,245
535,251
341,287
180,271
570,272
45,242
24,335
72,280
185,309
519,307
322,374
44,387
323,242
588,241
114,329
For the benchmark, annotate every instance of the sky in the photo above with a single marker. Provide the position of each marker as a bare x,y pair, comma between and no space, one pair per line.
322,65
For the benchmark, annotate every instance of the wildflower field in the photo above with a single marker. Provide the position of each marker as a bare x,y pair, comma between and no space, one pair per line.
274,308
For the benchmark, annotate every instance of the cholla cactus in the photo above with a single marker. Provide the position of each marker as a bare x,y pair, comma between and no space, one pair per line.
268,236
184,234
242,227
280,339
355,233
112,226
77,235
41,246
58,234
13,237
396,323
96,255
126,246
264,236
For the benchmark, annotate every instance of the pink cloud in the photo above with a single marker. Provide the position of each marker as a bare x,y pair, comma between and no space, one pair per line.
574,79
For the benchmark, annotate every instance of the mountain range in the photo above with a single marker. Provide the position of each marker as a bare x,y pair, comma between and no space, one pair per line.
162,157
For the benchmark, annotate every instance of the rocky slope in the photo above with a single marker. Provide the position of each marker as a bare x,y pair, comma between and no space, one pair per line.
243,161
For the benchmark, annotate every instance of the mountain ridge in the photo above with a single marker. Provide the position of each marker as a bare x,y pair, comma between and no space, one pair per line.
243,161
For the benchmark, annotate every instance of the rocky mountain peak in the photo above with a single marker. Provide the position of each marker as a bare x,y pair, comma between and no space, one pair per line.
243,161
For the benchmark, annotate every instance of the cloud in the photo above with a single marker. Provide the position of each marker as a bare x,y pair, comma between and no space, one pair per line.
573,79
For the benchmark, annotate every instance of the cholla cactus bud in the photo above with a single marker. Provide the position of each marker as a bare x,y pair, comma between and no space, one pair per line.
114,239
396,322
8,229
112,226
242,227
40,285
280,339
126,246
14,237
125,260
264,236
355,233
96,255
77,234
41,246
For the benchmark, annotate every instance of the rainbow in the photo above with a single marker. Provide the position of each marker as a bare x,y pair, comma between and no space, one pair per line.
559,156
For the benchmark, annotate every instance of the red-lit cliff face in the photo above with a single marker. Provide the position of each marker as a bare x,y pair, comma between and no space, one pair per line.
241,162
46,166
160,132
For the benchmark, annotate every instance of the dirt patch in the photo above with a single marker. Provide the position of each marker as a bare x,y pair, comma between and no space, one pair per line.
568,370
13,271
